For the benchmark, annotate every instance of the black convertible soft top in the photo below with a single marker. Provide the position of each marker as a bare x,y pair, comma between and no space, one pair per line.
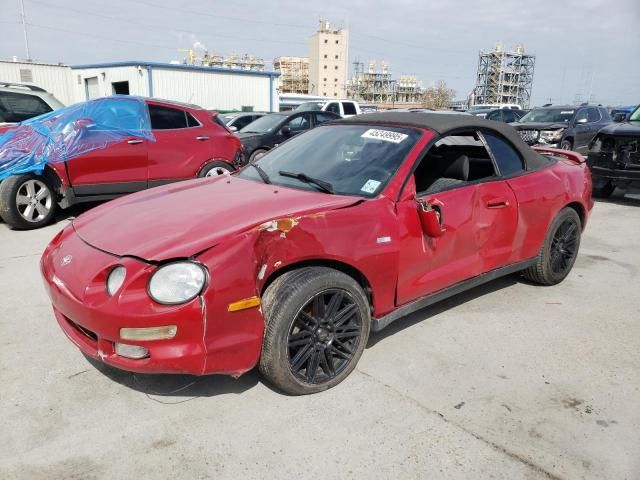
445,123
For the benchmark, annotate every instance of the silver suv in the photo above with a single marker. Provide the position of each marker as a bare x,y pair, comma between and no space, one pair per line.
19,102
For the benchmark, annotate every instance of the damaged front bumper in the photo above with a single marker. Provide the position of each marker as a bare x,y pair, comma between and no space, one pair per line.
615,160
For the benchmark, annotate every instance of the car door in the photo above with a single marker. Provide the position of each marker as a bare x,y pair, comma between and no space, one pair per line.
298,124
182,144
333,107
582,129
119,167
479,219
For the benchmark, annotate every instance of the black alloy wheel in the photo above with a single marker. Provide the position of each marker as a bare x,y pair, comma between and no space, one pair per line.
564,247
324,336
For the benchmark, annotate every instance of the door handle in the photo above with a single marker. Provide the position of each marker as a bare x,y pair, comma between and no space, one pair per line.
498,203
202,139
135,141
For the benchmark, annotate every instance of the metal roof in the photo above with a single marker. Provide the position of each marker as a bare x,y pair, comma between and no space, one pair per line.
175,66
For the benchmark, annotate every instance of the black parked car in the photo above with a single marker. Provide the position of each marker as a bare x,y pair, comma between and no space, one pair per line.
506,115
566,127
614,156
238,120
271,130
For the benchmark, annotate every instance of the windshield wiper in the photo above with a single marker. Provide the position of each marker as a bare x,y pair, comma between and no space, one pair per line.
303,177
263,175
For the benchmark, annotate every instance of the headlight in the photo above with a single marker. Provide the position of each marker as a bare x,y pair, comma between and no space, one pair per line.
552,135
176,283
115,280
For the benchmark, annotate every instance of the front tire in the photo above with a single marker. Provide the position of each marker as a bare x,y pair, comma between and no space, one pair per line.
27,201
566,144
256,154
215,169
317,326
559,250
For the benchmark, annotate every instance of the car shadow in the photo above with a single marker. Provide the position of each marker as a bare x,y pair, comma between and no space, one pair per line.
621,197
426,313
178,385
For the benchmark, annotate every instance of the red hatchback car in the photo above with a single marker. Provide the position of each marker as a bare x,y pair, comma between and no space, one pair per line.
292,262
189,142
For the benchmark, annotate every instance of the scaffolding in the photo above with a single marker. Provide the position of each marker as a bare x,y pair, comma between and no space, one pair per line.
504,77
373,86
294,74
232,62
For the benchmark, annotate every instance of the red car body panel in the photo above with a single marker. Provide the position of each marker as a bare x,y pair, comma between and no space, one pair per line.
135,164
246,233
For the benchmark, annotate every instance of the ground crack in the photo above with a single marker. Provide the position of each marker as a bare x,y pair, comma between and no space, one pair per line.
499,448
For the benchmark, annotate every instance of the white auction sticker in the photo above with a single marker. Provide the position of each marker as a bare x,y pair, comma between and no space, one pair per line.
386,135
371,186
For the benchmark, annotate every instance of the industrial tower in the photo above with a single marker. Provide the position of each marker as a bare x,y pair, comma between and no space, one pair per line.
504,77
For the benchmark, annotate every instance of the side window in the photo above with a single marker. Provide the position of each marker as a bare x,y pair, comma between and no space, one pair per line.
582,115
191,121
452,162
165,118
242,122
593,115
349,108
299,123
333,107
495,116
323,117
17,107
508,116
507,158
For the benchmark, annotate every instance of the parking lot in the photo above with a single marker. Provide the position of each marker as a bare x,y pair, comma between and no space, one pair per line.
509,380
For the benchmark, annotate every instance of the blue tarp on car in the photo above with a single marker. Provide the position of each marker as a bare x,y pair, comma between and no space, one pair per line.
67,133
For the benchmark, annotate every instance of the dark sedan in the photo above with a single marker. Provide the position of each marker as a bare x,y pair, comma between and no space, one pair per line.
271,130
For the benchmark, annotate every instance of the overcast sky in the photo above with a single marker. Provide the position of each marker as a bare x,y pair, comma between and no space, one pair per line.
582,46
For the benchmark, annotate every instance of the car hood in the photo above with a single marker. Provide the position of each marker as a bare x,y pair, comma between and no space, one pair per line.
627,129
186,218
538,125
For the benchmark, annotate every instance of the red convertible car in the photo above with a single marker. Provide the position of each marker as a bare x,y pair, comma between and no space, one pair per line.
189,142
290,263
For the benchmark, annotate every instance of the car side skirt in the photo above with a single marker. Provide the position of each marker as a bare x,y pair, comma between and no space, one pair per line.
428,300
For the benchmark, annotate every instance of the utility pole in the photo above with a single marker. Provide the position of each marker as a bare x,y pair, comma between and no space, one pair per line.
24,29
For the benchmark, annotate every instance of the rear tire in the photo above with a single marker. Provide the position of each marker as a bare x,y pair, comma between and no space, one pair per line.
27,201
215,169
559,250
317,326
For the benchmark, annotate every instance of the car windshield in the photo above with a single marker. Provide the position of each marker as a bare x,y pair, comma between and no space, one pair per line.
635,116
548,115
309,106
263,124
352,159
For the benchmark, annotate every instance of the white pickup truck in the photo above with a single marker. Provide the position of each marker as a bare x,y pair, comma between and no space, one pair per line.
344,108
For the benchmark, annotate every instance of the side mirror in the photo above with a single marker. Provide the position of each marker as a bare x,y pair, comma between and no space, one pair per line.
430,219
285,131
620,117
233,129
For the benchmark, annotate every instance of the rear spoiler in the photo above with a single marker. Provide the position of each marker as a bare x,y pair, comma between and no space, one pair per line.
575,157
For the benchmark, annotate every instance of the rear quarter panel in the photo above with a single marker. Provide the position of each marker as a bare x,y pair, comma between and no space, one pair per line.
541,195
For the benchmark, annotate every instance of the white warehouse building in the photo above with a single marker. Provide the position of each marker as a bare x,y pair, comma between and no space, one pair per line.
210,87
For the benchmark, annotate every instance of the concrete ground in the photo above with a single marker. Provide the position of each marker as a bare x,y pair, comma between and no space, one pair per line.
507,381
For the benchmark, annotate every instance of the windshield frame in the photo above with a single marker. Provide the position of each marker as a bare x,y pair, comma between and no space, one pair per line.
384,185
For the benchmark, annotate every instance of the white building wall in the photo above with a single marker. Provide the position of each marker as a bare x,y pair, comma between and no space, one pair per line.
55,79
106,76
216,90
